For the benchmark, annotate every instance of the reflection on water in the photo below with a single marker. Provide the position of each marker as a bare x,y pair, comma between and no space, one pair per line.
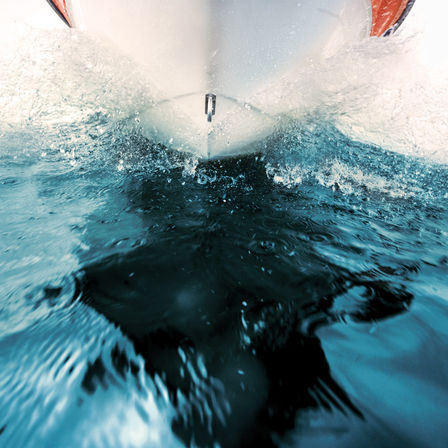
272,300
230,281
291,298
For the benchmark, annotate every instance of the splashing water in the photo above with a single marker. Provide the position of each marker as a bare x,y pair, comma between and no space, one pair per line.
294,296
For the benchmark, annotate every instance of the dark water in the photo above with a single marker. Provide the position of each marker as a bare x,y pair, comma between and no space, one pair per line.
292,298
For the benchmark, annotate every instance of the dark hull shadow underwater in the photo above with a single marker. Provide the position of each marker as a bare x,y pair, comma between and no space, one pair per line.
224,297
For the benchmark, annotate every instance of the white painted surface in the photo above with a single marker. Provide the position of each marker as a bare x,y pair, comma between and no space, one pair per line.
233,48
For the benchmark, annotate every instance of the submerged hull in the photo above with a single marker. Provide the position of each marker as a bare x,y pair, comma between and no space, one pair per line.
236,51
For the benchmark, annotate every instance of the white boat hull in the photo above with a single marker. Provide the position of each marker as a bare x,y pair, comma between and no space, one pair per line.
235,49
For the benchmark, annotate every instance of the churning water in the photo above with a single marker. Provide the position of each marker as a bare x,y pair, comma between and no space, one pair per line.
295,297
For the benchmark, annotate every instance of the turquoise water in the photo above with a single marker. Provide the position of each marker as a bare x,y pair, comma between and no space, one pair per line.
296,297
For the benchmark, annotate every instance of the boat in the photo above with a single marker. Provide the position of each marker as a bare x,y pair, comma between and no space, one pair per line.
214,64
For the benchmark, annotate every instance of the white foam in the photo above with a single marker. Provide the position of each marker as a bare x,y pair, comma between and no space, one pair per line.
390,92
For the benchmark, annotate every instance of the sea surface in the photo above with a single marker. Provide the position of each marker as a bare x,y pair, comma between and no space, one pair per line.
295,297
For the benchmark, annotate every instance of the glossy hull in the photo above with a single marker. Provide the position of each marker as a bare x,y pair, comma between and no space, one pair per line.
238,50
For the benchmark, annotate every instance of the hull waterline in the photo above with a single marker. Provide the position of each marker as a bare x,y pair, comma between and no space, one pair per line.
237,51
